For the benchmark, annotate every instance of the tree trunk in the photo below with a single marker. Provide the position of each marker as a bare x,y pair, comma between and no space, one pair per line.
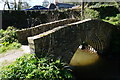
15,5
19,5
6,3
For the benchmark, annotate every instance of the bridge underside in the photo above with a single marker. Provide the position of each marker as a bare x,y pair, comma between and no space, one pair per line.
63,41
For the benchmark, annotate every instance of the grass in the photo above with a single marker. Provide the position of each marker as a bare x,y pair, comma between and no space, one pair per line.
14,45
5,63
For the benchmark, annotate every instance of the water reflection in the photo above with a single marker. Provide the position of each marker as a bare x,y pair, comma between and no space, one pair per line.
84,57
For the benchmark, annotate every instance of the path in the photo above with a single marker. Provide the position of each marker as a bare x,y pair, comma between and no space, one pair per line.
12,55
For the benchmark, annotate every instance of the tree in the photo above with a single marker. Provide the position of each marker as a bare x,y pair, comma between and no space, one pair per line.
6,3
15,5
118,4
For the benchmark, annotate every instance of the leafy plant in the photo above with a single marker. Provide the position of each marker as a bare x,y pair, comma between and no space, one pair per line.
30,67
9,35
13,45
90,13
8,39
113,20
1,33
107,11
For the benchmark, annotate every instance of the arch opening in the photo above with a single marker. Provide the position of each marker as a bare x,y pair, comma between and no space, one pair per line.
85,55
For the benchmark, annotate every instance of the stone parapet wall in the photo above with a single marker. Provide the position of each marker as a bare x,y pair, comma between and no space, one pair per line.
27,32
25,19
63,41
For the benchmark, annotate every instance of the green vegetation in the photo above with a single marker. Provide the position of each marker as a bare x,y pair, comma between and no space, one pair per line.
8,39
103,4
13,45
113,20
90,13
30,67
106,12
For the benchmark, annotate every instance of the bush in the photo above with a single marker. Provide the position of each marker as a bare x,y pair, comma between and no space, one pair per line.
13,45
8,39
107,11
1,33
113,20
8,35
90,13
31,67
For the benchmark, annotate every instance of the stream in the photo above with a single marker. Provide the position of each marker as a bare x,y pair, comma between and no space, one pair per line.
87,64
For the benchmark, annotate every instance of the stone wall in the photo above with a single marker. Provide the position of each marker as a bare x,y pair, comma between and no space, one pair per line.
27,32
63,41
25,19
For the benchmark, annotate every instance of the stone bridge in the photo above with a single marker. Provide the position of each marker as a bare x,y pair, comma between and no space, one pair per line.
27,32
63,41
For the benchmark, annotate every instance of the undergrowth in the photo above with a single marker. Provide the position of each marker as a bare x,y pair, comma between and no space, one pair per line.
8,39
30,67
113,20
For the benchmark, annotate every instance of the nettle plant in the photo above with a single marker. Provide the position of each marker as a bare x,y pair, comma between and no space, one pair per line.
31,67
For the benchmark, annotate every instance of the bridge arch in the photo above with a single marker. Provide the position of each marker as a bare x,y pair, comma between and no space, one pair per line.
63,41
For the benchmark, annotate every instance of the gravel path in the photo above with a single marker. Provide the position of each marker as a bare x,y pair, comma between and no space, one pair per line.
11,55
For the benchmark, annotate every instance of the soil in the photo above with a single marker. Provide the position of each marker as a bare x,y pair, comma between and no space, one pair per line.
11,55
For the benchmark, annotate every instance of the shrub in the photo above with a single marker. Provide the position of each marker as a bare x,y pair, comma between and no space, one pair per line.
9,35
118,16
113,20
90,13
107,11
1,33
31,67
8,39
13,45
